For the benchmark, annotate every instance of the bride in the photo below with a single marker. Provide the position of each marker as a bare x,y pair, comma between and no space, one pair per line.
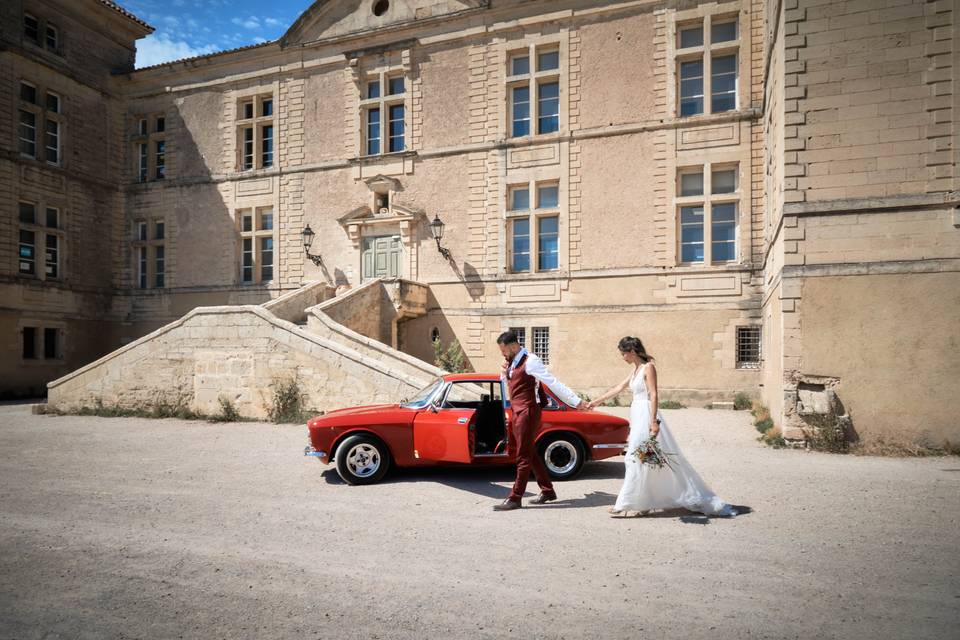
645,487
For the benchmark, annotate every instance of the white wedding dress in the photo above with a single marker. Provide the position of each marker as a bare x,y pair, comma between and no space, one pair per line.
645,487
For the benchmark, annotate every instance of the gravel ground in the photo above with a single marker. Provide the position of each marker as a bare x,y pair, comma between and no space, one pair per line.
132,528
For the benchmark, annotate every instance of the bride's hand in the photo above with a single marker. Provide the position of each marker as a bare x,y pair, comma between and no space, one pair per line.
654,428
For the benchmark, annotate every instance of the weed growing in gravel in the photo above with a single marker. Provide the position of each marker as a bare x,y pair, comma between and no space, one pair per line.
769,433
228,412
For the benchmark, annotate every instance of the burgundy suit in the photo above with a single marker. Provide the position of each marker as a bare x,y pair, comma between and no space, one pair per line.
526,423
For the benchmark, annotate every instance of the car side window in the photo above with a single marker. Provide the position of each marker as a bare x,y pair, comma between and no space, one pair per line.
463,395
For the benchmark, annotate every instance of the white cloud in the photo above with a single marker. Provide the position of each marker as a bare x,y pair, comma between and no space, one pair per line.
259,40
250,23
271,22
159,48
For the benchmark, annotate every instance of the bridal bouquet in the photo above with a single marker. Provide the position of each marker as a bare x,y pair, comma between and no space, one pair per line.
649,452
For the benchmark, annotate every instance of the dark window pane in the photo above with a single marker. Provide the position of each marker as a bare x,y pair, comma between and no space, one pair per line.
395,86
266,258
373,89
161,124
521,245
723,32
28,213
52,265
29,343
548,197
27,252
266,108
521,111
373,132
158,230
53,103
396,128
248,222
247,110
724,181
548,60
50,344
691,215
549,117
692,253
53,218
519,66
691,184
28,93
725,212
31,29
266,159
519,199
691,69
691,234
691,37
724,251
548,243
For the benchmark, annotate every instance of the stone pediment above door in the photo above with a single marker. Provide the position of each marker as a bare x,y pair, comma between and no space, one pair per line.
364,221
329,19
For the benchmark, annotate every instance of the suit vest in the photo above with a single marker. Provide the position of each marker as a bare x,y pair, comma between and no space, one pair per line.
523,389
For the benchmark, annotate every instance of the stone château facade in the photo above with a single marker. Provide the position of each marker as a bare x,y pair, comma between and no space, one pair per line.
764,191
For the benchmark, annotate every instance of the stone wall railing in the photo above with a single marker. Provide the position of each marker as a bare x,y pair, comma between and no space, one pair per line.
238,353
292,306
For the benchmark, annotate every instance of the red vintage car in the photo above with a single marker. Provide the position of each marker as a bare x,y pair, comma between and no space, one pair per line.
459,419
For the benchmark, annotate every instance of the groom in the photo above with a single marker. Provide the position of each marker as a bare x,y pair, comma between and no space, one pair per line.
524,373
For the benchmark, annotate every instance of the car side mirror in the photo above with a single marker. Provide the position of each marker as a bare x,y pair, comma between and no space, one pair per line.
433,408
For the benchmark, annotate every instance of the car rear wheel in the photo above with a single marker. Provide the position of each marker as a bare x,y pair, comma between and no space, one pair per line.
362,460
563,454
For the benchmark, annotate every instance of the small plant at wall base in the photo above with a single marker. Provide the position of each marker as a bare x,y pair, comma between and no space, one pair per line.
451,359
671,404
228,412
288,402
742,402
769,433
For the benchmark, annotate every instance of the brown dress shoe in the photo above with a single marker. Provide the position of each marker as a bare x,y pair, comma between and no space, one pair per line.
507,505
544,498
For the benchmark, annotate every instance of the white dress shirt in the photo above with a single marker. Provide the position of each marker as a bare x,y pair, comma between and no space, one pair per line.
534,366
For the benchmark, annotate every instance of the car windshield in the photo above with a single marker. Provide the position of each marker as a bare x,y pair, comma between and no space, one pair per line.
422,397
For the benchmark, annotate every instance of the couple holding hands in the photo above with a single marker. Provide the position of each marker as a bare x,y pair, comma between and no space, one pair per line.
646,487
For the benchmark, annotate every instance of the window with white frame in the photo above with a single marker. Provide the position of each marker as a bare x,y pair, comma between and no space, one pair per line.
533,226
706,61
748,347
533,90
707,203
40,241
255,133
256,244
383,113
40,111
150,147
149,251
41,343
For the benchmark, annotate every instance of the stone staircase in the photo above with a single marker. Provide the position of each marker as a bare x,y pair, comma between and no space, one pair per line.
337,348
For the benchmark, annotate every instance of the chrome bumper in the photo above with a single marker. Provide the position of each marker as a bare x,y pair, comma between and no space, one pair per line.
610,446
310,451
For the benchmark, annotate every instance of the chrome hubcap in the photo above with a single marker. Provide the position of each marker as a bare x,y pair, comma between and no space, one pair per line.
363,460
560,457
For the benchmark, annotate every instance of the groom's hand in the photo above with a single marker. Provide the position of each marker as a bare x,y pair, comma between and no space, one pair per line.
504,367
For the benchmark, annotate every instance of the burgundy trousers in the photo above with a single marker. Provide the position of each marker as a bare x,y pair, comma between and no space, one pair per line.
526,422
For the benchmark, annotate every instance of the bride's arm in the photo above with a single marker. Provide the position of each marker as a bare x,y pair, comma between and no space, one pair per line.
613,391
651,380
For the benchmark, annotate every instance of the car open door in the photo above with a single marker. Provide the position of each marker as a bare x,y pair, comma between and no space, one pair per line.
442,434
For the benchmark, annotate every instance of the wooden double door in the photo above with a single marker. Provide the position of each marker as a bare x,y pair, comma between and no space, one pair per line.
382,257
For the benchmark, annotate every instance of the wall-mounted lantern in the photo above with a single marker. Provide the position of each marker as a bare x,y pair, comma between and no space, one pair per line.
308,236
436,230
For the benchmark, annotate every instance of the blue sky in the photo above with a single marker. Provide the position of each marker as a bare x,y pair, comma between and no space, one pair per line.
186,28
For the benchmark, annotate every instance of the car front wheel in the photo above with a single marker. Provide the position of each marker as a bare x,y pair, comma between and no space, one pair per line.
563,454
362,460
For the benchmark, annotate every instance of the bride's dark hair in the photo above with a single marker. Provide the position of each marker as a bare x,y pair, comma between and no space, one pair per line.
630,344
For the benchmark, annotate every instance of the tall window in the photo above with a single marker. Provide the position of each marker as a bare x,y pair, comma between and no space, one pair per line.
40,112
40,241
150,147
533,232
521,335
150,254
541,343
706,58
533,89
255,133
256,245
384,113
708,203
31,28
748,347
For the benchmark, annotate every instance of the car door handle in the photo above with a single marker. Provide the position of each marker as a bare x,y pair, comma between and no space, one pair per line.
461,420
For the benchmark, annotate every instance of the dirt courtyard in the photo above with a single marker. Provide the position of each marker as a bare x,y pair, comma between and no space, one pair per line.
134,528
